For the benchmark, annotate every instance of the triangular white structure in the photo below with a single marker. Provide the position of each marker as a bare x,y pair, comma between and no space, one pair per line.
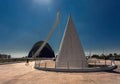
71,54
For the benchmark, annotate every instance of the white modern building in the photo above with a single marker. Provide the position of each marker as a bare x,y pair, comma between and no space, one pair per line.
71,54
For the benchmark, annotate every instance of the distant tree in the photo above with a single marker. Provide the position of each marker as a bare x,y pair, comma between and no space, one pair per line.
110,55
95,56
102,56
115,54
119,55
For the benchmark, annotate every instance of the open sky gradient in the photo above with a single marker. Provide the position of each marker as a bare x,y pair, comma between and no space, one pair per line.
24,22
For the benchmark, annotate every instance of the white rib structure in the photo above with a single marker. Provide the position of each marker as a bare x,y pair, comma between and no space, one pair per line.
71,54
49,35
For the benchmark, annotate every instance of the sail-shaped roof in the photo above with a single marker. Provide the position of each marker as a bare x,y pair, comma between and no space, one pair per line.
71,54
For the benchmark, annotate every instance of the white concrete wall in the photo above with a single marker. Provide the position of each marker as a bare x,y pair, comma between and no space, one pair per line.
71,54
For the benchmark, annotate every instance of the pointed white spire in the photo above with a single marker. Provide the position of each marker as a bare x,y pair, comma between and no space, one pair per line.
71,54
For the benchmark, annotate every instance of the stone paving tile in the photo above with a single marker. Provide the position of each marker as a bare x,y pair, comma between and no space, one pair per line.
19,73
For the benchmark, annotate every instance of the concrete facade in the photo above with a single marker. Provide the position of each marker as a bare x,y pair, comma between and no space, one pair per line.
71,54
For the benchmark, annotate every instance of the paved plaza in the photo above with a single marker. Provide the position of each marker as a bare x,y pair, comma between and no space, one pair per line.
19,73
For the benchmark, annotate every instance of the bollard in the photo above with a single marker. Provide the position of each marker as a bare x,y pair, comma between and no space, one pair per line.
45,64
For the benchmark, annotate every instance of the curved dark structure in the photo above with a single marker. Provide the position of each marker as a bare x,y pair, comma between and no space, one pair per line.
47,51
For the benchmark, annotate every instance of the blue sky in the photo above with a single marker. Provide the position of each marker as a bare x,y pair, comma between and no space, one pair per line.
24,22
